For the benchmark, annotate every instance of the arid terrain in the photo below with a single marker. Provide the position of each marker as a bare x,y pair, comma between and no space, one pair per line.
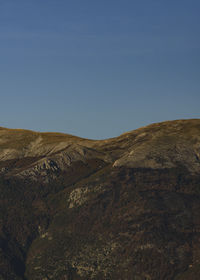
125,208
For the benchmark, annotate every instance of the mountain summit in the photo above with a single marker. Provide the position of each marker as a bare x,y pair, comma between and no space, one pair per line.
162,145
122,208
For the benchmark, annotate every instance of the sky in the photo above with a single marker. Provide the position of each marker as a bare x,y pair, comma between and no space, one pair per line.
97,69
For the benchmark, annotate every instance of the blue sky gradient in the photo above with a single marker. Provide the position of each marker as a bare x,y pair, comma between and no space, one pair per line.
96,68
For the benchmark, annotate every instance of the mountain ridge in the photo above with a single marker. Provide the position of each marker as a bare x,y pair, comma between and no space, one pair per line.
123,208
138,147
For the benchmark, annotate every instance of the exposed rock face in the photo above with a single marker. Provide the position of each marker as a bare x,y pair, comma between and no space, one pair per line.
165,145
122,208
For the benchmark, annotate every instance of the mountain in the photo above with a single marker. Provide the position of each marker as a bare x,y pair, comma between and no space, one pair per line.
122,208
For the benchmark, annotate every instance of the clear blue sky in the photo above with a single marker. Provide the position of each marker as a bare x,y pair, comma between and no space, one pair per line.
98,68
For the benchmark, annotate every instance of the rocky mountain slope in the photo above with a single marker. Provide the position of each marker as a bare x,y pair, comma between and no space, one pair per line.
122,208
